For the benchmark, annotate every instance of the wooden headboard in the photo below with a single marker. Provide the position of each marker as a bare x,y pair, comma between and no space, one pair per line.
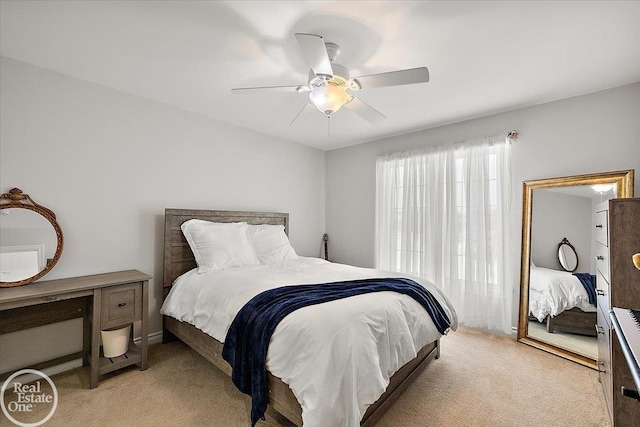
178,258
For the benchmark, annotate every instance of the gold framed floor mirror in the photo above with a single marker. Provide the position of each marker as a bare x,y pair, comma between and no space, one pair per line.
556,211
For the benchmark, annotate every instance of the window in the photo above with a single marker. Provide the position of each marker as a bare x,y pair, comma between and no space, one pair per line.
442,214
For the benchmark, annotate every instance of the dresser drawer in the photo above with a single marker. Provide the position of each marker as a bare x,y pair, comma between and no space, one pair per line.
602,261
604,358
602,292
121,305
602,227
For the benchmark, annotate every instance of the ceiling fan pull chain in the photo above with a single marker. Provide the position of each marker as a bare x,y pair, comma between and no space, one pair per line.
328,126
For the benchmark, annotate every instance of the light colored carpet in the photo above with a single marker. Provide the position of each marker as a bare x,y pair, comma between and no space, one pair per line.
481,379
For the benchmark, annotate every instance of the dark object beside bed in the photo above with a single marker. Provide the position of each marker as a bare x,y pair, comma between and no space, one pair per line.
179,259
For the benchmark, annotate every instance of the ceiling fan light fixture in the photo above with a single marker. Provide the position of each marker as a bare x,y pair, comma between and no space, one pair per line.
329,98
602,188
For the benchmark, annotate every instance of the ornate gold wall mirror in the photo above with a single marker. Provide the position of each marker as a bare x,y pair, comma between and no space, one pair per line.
31,239
555,209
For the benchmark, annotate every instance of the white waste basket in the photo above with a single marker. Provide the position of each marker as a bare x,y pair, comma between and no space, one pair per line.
115,342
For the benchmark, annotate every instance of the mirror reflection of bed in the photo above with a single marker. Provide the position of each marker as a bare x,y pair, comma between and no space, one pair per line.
560,311
562,228
562,295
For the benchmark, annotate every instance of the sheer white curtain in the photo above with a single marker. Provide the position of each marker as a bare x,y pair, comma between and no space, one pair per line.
442,214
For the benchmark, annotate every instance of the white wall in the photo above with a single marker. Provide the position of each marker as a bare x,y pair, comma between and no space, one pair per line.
555,216
592,133
109,163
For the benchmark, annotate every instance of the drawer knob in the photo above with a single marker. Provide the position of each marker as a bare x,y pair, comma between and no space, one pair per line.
599,330
122,304
598,225
600,258
600,292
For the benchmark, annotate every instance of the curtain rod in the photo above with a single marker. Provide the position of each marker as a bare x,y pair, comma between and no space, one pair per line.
512,135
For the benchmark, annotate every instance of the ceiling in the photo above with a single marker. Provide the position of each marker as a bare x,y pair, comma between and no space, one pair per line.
483,57
585,191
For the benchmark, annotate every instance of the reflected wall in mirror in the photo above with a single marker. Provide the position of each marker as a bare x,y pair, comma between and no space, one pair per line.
31,239
557,280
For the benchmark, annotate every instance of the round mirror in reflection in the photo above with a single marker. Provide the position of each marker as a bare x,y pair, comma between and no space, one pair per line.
30,240
567,256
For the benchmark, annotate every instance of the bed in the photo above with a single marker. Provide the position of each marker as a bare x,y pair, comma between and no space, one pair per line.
558,299
179,259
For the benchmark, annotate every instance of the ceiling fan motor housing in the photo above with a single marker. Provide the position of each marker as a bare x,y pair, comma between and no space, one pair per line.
339,78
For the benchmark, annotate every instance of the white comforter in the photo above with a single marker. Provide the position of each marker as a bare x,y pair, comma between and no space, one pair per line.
336,357
551,292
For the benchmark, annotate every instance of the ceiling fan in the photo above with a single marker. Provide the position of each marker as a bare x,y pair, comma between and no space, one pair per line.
330,86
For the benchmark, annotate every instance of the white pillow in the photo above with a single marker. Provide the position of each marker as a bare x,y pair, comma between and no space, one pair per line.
217,246
271,243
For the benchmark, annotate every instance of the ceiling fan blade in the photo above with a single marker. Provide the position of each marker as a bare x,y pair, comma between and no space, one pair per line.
392,78
365,111
315,53
299,112
270,89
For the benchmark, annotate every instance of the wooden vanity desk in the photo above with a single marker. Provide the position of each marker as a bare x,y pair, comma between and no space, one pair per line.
102,300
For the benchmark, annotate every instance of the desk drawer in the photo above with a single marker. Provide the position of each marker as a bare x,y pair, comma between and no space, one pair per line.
121,305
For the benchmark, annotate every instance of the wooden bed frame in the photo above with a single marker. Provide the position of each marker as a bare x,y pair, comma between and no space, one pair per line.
574,321
179,259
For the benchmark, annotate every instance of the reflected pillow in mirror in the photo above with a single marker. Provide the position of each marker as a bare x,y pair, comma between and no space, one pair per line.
217,246
271,243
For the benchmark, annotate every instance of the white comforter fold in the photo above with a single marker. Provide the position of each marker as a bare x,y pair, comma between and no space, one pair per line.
551,292
336,357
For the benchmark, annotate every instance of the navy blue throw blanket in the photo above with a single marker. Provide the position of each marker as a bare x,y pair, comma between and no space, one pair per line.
589,283
247,341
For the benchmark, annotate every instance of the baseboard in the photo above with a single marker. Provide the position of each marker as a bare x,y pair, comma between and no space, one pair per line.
153,338
53,370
